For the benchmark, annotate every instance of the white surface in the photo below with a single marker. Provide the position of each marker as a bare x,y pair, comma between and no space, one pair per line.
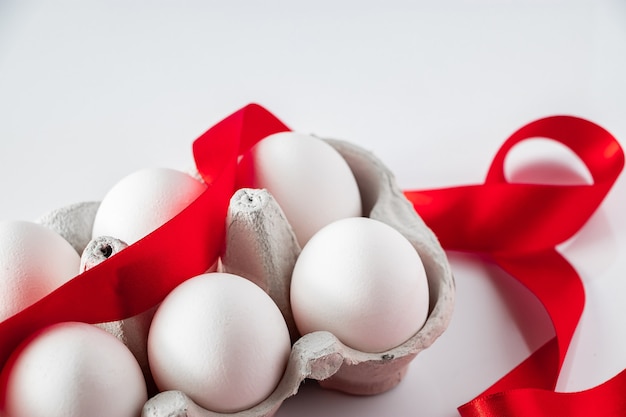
91,91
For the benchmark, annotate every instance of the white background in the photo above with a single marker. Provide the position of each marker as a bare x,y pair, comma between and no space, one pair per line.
93,90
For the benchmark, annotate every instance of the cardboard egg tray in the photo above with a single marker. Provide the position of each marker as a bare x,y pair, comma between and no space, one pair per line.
261,246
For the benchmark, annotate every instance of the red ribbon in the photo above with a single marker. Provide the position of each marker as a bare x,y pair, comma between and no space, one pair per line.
517,225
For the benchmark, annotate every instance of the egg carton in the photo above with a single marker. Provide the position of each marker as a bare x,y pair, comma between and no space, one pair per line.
261,246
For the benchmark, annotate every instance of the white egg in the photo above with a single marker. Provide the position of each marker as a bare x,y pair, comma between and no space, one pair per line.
221,340
363,281
144,200
34,261
73,369
309,179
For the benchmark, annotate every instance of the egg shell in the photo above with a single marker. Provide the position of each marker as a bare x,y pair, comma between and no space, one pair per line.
72,369
221,340
144,200
308,178
34,261
363,281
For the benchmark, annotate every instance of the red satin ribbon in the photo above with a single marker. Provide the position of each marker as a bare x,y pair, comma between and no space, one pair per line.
518,225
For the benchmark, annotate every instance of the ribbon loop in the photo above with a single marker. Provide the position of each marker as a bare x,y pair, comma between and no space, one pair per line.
594,145
499,217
